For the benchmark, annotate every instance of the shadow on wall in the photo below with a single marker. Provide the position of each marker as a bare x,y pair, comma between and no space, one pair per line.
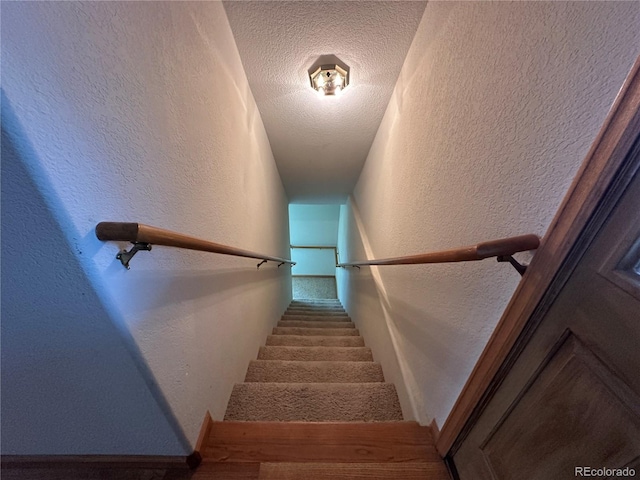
373,303
158,289
71,382
417,326
409,330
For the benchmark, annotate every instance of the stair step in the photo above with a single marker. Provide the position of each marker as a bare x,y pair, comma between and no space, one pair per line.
315,301
314,402
330,308
324,313
238,442
287,371
353,471
315,331
341,354
316,305
314,341
318,324
315,318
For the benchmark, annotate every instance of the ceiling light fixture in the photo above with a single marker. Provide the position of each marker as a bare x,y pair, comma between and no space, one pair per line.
329,79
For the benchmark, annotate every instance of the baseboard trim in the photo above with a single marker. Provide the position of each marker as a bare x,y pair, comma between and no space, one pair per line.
115,462
451,467
106,461
195,458
94,467
435,431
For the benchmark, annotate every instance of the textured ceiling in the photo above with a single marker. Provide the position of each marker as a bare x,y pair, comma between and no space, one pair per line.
321,143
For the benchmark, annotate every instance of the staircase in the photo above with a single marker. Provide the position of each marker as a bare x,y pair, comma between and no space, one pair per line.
315,405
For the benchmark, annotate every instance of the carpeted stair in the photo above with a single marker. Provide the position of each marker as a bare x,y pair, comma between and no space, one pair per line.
314,368
318,371
314,405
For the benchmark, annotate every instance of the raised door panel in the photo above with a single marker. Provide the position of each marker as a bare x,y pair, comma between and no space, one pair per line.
573,399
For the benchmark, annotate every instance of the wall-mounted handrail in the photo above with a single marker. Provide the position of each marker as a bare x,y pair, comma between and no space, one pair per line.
502,248
144,236
319,247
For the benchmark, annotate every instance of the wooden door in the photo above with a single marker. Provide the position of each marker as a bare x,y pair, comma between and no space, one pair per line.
571,398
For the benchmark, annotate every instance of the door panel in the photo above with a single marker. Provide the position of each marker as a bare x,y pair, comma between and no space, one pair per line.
573,399
572,396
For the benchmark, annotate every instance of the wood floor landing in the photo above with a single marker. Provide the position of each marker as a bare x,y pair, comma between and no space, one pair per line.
307,451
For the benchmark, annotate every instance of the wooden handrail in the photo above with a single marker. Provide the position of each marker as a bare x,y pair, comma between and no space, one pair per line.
140,234
503,247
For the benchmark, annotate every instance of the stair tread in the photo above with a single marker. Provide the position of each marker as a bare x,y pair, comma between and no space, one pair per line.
318,308
319,442
314,300
316,305
318,324
314,318
355,402
354,471
353,354
325,313
315,331
314,341
403,432
291,371
336,308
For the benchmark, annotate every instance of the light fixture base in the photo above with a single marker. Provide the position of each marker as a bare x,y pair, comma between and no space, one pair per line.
330,79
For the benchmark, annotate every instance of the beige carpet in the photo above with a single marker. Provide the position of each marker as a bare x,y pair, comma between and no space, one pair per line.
314,287
310,354
314,367
315,341
282,371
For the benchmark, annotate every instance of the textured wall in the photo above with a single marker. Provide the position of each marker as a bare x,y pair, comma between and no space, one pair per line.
320,143
494,110
313,261
313,225
70,382
131,111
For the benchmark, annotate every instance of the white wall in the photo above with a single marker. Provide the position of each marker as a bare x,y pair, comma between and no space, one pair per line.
130,111
313,261
493,112
314,225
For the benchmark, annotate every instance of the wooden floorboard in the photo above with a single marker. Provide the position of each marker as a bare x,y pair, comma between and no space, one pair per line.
354,471
308,453
226,471
408,433
320,442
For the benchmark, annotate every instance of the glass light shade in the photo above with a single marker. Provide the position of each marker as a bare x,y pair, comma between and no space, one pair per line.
329,79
